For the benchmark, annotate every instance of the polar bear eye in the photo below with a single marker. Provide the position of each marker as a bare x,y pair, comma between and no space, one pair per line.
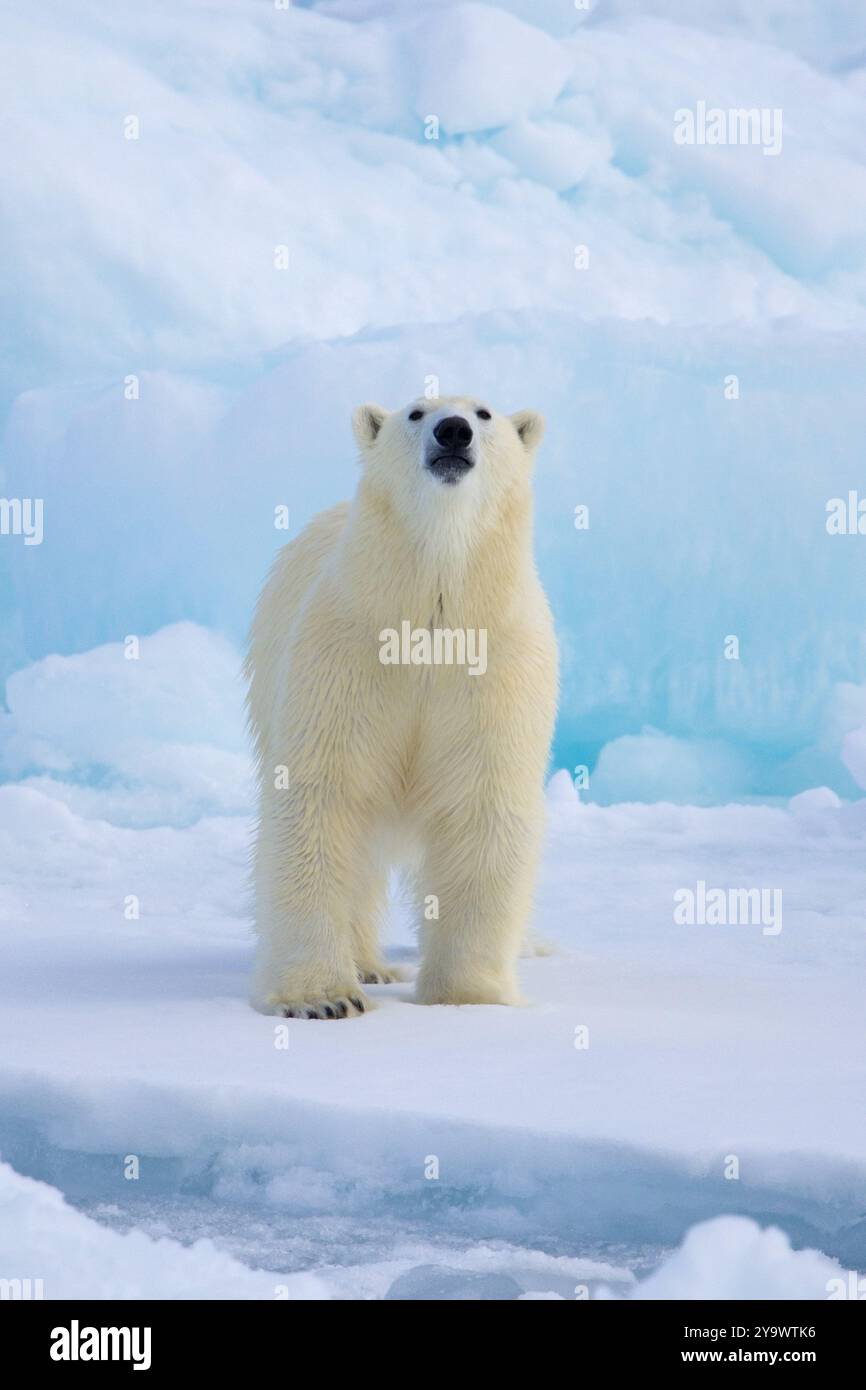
483,414
416,414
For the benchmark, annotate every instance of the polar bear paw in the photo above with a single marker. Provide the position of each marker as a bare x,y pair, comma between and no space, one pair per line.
430,989
341,1006
380,974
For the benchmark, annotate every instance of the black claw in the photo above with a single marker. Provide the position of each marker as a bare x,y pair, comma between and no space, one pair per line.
288,1013
311,1013
358,1005
341,1009
328,1011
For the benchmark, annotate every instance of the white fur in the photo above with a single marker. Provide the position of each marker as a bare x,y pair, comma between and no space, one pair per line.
379,755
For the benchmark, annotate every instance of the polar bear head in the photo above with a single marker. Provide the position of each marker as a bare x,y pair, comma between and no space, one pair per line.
449,457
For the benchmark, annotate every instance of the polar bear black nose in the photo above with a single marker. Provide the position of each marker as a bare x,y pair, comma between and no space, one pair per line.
453,433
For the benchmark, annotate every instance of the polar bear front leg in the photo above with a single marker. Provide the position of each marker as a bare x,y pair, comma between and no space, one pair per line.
306,855
480,869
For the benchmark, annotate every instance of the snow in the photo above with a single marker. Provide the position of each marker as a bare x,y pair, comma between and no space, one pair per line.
240,109
678,555
734,1258
479,68
552,153
169,388
76,1258
124,1026
139,732
854,755
408,257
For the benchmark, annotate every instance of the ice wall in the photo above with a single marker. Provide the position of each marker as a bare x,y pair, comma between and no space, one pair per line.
300,138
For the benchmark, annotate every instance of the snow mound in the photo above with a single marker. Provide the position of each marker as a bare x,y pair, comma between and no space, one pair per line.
139,732
854,755
304,128
478,67
733,1257
43,1238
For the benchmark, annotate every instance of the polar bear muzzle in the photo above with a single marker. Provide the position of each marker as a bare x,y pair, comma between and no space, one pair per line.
450,454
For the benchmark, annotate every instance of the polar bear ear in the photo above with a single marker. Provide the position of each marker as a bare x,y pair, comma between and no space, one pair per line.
367,421
530,427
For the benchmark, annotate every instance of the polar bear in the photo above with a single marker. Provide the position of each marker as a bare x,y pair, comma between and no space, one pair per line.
403,679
